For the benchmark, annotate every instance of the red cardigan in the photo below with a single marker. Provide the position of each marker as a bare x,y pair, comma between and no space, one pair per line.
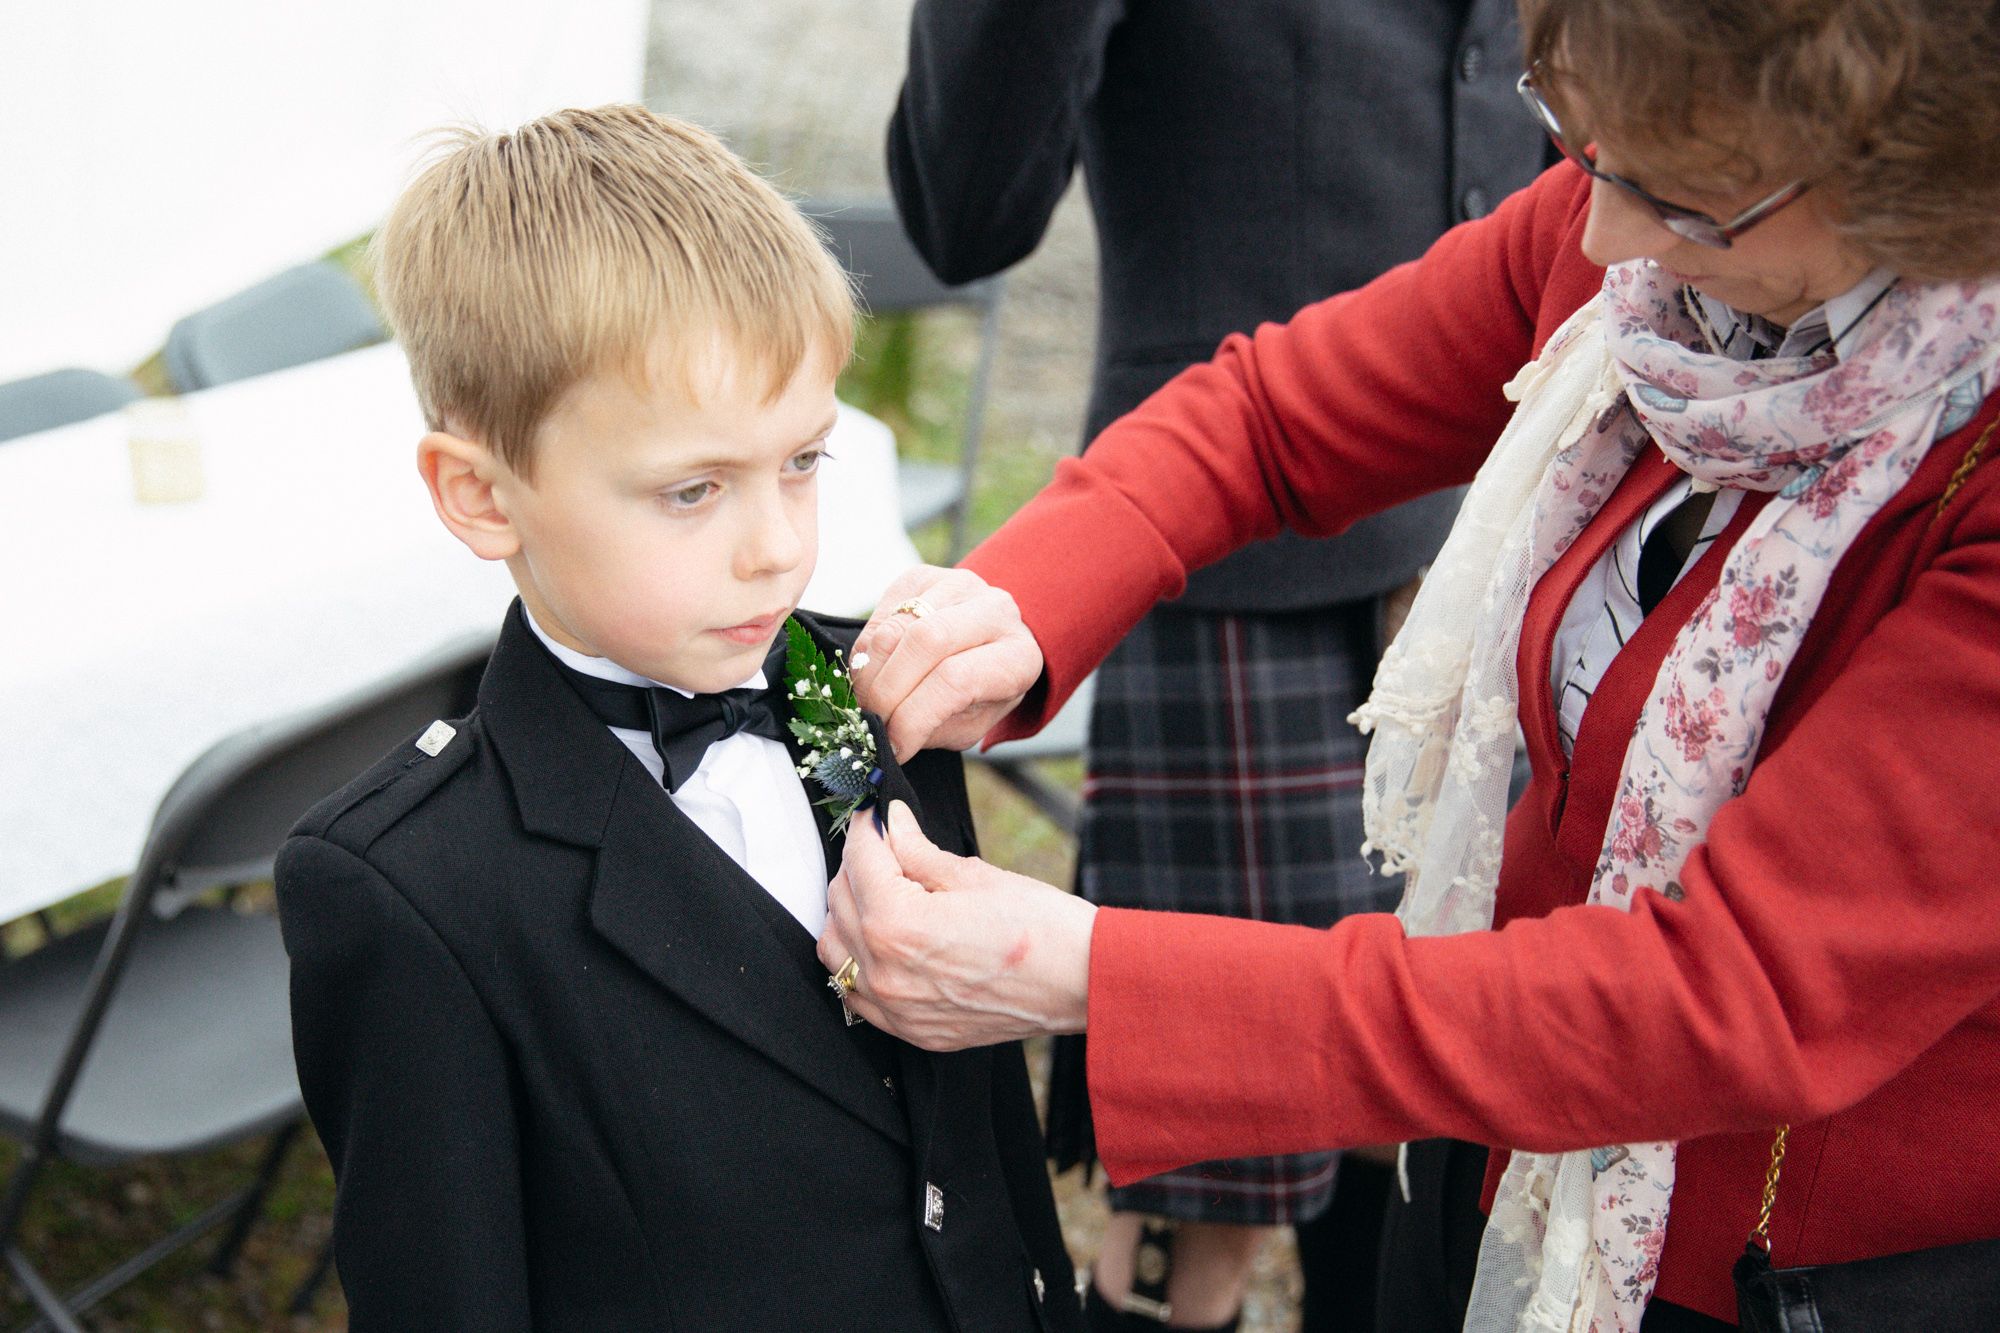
1836,961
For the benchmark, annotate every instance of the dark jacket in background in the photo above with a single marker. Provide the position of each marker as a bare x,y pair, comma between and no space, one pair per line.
1243,159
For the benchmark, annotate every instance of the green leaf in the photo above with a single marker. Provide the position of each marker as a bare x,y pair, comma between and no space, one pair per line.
827,716
800,651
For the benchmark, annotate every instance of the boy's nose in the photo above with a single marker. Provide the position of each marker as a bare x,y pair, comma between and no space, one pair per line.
1620,227
778,534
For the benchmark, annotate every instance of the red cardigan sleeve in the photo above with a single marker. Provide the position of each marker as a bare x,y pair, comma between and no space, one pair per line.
1838,922
1358,403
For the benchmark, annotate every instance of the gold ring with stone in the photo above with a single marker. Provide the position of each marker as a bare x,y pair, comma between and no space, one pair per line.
916,608
850,972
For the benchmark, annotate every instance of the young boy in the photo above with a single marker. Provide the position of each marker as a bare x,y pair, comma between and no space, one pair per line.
557,1011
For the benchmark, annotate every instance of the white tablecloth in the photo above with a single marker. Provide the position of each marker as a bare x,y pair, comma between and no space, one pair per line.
135,636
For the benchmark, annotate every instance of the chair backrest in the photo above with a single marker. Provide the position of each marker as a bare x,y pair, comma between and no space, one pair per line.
231,809
43,402
868,239
225,817
302,314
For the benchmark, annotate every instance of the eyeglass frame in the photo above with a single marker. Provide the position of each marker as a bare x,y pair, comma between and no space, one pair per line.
1687,223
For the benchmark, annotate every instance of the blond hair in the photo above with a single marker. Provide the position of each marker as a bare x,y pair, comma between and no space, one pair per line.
588,241
1890,108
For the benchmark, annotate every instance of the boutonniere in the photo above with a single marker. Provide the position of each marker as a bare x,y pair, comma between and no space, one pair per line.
840,750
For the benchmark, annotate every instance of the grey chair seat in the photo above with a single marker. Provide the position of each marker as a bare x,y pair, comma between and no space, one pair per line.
43,402
195,1051
929,491
1062,738
157,1036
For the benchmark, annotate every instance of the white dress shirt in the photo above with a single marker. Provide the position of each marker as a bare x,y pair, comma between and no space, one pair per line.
1605,610
745,796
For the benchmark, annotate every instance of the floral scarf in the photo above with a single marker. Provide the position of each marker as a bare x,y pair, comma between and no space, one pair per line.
1574,1240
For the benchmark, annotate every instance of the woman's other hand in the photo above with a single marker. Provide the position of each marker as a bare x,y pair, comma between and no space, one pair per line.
941,677
953,952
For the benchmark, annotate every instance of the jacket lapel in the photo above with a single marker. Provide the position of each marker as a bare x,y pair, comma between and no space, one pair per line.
678,907
662,894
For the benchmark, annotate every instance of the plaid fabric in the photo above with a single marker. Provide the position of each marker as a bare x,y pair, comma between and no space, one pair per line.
1224,777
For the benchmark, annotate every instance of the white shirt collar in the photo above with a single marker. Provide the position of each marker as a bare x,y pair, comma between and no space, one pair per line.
605,669
1845,311
1831,323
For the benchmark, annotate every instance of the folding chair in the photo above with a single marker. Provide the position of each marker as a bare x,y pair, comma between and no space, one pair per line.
43,402
868,240
166,1031
1013,762
306,313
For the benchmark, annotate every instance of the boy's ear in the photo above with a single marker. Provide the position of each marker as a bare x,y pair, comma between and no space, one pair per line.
460,474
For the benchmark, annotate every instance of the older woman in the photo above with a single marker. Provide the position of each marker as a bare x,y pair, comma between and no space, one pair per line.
1735,565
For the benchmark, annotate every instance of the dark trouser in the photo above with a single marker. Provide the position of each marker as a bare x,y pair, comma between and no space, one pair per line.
1430,1245
1339,1251
1430,1248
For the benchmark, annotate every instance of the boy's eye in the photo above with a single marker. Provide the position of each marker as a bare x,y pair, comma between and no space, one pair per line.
807,460
687,497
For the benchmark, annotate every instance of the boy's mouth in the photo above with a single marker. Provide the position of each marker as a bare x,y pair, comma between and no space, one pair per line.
754,631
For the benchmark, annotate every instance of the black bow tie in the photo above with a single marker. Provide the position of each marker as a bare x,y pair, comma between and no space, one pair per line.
684,726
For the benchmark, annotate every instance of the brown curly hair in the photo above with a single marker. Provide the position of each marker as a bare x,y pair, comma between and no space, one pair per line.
1891,108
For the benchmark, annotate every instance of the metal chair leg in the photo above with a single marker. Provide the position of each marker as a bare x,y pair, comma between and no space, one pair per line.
252,1207
53,1311
302,1299
1061,808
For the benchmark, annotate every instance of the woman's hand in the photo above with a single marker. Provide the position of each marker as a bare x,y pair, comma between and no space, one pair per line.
953,952
942,679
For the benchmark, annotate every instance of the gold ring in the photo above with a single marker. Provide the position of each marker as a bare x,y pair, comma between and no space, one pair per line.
916,608
850,972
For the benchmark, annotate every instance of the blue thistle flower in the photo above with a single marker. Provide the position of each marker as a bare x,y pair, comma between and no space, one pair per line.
849,777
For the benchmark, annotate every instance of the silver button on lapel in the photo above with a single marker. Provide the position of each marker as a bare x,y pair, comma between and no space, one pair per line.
436,736
1040,1289
933,1207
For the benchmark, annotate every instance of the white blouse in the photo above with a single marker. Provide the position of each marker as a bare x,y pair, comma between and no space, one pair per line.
1605,610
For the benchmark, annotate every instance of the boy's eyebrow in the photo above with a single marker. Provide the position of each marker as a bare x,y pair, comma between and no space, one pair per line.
678,467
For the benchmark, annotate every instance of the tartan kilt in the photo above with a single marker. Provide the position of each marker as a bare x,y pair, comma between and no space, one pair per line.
1223,777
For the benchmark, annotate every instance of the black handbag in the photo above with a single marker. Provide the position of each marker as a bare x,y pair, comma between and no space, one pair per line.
1944,1289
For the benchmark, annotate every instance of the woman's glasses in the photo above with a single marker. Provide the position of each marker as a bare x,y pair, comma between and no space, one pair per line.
1683,222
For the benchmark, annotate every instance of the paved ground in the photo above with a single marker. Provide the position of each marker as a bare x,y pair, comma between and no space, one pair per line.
805,88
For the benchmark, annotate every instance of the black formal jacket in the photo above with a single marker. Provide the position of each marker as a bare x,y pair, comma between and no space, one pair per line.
577,1071
1244,159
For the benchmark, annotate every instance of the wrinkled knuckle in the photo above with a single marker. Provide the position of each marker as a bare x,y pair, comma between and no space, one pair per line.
881,637
890,988
955,684
955,735
927,636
